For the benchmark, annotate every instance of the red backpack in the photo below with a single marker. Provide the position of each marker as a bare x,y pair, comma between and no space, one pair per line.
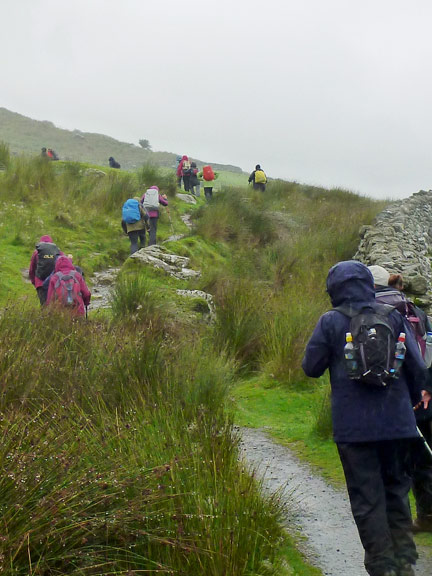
67,290
208,173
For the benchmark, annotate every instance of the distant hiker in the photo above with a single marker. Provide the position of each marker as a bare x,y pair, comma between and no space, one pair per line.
194,182
208,177
113,163
67,288
151,200
258,178
51,154
179,177
135,222
179,171
388,290
42,264
44,152
373,425
186,174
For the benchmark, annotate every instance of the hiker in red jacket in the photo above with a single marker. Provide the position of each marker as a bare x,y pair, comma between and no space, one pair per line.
42,265
66,275
179,170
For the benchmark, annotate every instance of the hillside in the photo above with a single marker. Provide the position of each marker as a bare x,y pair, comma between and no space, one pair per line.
24,135
118,445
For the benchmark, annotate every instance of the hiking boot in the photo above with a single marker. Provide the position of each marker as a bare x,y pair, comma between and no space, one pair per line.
422,524
406,569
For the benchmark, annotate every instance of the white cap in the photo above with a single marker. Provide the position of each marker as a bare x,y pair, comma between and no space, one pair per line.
380,275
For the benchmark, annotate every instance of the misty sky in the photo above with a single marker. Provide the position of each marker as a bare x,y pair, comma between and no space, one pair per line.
327,92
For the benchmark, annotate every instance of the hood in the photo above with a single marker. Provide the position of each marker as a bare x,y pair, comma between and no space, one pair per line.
350,281
185,158
154,188
46,238
63,264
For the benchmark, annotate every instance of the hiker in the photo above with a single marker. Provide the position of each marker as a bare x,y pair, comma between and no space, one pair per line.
194,182
179,177
44,152
113,163
42,264
151,200
186,174
179,171
258,179
388,290
51,154
135,223
67,288
372,425
208,177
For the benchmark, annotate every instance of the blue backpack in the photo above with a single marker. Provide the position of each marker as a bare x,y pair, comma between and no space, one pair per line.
130,211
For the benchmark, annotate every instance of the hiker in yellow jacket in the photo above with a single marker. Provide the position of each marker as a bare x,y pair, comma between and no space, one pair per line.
258,179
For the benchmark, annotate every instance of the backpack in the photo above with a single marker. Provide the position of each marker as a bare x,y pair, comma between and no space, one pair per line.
260,177
130,211
186,168
417,320
67,290
47,254
151,199
374,343
208,173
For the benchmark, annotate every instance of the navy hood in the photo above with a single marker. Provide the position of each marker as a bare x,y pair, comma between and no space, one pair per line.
350,282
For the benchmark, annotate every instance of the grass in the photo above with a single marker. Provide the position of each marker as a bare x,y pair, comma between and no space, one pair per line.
123,420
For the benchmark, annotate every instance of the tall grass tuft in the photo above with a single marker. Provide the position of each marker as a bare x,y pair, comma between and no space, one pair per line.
150,175
117,455
4,155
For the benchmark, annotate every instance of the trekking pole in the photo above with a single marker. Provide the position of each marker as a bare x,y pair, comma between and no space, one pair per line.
422,438
86,308
426,445
169,216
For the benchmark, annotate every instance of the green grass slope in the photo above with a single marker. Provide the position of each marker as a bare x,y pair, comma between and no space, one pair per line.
117,433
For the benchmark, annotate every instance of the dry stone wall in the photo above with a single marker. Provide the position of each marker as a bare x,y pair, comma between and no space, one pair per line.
401,241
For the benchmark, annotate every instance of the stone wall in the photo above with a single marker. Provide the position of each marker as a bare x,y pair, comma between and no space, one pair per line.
401,241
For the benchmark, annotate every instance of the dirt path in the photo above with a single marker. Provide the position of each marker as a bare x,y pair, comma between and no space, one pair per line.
315,509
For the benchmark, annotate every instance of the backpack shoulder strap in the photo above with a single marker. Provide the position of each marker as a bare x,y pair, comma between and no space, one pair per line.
347,310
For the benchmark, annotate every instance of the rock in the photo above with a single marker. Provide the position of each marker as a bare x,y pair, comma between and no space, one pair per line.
174,265
188,198
203,296
94,172
416,285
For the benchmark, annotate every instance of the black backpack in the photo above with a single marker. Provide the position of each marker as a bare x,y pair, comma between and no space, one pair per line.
374,343
47,254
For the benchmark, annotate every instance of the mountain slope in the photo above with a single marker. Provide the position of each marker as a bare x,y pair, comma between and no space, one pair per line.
25,135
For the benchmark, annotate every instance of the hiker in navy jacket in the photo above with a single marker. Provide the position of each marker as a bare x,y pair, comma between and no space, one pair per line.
372,427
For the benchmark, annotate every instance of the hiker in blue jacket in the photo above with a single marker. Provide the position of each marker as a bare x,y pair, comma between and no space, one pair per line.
372,427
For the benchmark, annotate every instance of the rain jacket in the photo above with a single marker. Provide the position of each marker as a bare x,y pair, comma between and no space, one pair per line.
64,265
179,170
37,282
362,413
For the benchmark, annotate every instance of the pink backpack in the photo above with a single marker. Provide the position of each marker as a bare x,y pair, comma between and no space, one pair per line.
67,290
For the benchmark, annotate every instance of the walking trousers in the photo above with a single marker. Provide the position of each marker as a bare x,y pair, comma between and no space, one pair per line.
422,472
378,483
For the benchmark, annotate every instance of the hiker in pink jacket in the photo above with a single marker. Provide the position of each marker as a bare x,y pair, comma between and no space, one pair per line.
153,213
66,275
42,264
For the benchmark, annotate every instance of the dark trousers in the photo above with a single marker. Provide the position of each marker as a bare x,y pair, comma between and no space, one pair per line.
42,294
259,186
378,483
186,182
208,192
153,230
179,181
422,472
134,235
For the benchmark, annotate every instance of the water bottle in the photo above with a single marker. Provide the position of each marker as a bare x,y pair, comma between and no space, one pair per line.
428,337
400,350
351,363
428,351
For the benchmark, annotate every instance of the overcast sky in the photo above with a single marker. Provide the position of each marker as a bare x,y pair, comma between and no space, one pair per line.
327,92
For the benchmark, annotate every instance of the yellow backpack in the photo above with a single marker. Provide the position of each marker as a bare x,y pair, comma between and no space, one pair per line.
260,177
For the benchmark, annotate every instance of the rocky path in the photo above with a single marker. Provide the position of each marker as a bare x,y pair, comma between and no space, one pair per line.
317,511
